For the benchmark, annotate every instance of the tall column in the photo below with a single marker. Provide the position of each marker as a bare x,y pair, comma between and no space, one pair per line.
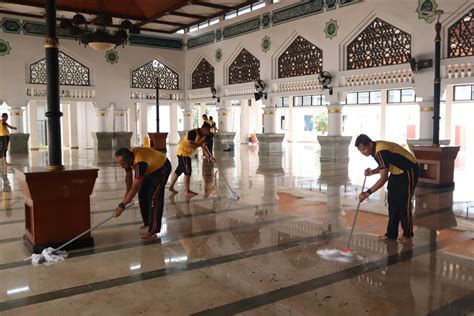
244,121
449,111
174,124
426,120
73,122
101,125
33,115
187,119
270,141
334,120
103,139
120,120
270,117
18,137
383,112
224,117
16,120
65,124
224,139
52,84
290,118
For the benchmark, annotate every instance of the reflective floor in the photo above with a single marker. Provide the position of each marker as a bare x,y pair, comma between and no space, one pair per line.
254,256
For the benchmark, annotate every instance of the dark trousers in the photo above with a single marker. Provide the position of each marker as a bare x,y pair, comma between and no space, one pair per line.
401,189
152,196
210,142
4,141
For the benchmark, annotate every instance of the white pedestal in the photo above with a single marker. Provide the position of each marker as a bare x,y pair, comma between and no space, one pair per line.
334,148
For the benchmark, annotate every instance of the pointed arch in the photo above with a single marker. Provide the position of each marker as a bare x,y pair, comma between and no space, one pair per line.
301,58
244,68
144,77
461,36
71,72
379,44
203,75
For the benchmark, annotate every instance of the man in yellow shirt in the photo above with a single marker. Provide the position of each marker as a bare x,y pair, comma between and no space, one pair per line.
152,170
403,168
187,146
4,138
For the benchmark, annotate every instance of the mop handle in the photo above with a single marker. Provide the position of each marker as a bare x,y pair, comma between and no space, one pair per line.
90,229
355,217
219,170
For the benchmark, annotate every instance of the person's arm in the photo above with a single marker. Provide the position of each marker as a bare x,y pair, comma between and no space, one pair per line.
9,126
383,159
132,186
128,179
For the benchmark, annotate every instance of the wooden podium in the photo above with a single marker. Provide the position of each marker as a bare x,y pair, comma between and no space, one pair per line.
57,205
158,141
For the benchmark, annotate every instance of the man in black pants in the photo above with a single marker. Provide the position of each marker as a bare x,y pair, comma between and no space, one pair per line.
403,168
152,170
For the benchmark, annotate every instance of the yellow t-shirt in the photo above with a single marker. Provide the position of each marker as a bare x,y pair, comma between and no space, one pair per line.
4,129
184,147
394,157
154,160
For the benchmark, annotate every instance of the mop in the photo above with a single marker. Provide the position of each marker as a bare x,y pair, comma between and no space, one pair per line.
232,195
344,254
51,255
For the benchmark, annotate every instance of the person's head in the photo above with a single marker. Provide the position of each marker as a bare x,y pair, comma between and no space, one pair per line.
210,118
124,157
364,144
205,129
4,116
204,117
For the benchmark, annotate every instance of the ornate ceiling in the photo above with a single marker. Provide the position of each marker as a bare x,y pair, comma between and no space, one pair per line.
166,16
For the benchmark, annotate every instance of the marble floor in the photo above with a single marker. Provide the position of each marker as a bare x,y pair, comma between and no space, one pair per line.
255,256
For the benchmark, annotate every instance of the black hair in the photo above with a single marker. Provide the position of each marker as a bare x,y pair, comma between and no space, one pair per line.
204,115
210,117
206,125
363,139
4,114
124,153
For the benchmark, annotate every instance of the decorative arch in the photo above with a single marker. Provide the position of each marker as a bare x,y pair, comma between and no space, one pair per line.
203,75
301,58
379,44
144,77
71,72
244,68
461,36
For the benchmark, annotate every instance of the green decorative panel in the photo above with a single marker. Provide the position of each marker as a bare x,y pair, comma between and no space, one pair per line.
112,56
330,4
331,28
39,29
266,44
297,11
426,10
266,19
201,40
343,3
218,34
218,55
153,41
242,28
11,25
5,48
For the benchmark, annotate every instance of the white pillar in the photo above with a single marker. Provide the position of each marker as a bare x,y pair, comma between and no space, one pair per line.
73,123
16,120
187,119
426,119
65,119
270,117
173,136
33,115
290,118
244,121
383,113
143,113
334,120
224,117
120,120
101,123
449,111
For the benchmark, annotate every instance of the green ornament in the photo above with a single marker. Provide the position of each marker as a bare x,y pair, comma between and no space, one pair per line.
218,55
266,43
331,28
5,48
112,56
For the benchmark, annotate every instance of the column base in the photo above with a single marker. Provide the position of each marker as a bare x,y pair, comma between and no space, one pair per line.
103,140
436,165
19,143
224,141
270,163
158,141
122,139
334,172
270,143
427,203
334,148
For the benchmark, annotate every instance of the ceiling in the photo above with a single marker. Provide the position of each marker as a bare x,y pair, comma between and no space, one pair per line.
164,16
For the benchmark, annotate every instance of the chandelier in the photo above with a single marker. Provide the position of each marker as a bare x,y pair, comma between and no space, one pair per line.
99,38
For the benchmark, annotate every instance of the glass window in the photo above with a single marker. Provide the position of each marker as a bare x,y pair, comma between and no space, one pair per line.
351,98
463,93
394,96
258,5
203,25
408,95
275,1
286,101
193,28
235,102
307,100
375,97
363,98
180,31
230,15
298,101
244,10
323,100
317,100
214,21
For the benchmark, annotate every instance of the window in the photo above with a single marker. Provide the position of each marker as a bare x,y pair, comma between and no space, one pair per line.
275,1
193,28
460,36
246,9
463,93
180,31
282,102
230,15
214,21
309,100
367,97
401,96
244,68
235,103
203,25
301,58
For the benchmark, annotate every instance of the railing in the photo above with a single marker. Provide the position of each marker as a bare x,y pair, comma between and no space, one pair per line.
151,95
72,93
386,77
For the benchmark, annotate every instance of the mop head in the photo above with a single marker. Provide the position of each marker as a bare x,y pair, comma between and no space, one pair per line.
48,255
340,255
234,196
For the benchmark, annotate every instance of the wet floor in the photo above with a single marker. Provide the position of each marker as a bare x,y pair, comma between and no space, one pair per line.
255,256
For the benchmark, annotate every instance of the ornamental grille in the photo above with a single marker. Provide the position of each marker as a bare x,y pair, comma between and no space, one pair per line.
301,58
379,44
203,75
245,68
71,72
145,76
461,36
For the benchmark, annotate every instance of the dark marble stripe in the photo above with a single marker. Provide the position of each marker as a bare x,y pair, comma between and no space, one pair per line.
462,306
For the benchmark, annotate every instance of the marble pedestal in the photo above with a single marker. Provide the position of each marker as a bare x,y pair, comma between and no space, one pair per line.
158,141
426,142
222,140
270,143
19,143
58,211
334,148
122,139
103,140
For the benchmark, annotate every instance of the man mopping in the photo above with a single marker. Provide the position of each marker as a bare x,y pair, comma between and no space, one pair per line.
152,170
403,168
187,146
